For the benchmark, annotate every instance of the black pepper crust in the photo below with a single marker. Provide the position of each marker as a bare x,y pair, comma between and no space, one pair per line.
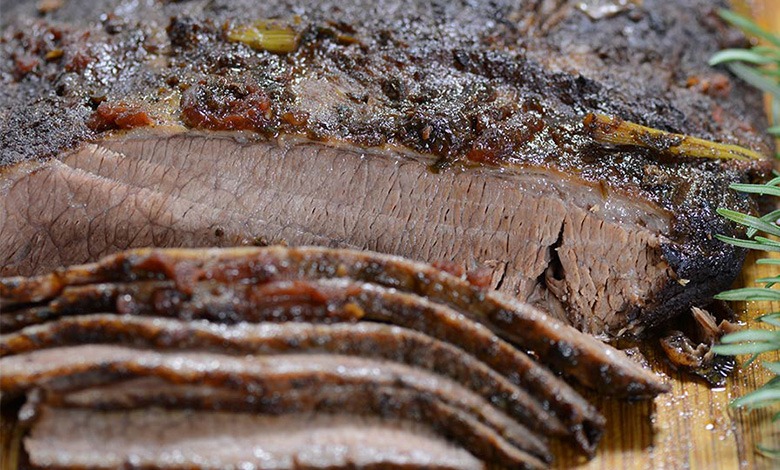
472,83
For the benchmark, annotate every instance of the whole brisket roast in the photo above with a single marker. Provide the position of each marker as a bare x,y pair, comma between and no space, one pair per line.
502,134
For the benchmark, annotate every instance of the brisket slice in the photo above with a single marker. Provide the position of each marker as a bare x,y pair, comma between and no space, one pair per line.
364,340
152,391
562,347
74,368
171,439
300,301
354,400
332,141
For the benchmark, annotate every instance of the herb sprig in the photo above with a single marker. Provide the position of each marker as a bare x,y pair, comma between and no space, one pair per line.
760,67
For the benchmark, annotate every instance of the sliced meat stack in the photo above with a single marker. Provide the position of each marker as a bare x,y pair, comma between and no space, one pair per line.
286,357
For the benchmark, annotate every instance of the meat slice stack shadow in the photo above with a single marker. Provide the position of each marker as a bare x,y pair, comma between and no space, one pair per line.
286,355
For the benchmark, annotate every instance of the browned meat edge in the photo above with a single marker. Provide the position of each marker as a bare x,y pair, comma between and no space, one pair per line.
207,300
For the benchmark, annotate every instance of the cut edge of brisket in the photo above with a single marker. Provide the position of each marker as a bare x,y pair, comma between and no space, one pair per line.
574,261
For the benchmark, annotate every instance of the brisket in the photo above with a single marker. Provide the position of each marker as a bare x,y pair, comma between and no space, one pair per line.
69,368
560,166
230,328
350,402
468,132
562,347
567,405
365,340
171,439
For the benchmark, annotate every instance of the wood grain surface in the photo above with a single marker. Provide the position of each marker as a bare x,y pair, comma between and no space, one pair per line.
690,428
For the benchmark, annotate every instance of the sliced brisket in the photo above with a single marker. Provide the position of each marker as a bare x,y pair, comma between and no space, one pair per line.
549,150
564,348
171,439
373,303
278,330
365,340
354,400
73,368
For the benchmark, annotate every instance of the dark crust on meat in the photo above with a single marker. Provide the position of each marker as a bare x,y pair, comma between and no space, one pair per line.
469,83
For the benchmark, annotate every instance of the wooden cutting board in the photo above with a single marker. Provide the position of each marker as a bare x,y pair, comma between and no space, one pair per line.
691,427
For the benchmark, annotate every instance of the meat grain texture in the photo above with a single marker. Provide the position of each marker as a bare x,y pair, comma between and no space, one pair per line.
440,131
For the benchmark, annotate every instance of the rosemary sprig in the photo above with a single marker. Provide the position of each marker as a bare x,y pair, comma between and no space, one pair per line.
760,67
